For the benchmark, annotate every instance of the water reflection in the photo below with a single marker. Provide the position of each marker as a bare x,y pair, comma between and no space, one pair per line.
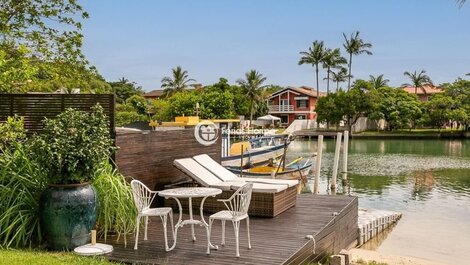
427,180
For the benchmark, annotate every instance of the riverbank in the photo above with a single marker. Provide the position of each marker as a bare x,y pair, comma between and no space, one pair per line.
359,255
413,134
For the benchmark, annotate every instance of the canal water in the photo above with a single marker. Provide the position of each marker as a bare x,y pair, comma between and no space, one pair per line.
428,181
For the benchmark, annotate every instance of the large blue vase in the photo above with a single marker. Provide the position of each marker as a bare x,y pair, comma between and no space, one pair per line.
68,213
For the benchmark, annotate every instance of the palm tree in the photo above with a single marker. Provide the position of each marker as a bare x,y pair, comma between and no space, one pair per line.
252,87
314,56
333,59
355,46
378,81
339,77
420,80
178,82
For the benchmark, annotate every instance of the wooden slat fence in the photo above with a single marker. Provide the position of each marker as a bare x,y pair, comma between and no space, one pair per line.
35,107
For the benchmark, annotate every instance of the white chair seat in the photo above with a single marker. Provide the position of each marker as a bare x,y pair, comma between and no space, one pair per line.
143,198
228,216
237,210
156,211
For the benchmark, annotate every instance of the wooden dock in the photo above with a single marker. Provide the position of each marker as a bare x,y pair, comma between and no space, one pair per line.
331,220
314,134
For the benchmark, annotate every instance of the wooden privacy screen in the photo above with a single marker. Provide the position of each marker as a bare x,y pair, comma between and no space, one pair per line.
35,107
148,155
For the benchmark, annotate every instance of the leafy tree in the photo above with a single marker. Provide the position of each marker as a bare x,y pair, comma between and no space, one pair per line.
333,59
217,105
314,56
124,89
355,46
16,69
378,81
177,82
51,29
439,108
252,87
139,103
183,103
398,107
161,109
420,80
327,110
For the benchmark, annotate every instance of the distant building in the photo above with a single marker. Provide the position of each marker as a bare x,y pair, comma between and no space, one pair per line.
154,94
430,90
294,103
158,93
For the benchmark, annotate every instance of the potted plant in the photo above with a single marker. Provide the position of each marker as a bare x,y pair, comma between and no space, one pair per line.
69,151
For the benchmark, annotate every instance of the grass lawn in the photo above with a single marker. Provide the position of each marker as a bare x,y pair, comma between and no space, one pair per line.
20,257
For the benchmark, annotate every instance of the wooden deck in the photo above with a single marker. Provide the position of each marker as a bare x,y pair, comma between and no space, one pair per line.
332,220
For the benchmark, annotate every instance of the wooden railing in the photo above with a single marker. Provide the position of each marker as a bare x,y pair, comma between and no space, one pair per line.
281,108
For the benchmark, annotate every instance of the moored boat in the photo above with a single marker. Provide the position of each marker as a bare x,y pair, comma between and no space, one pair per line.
255,152
296,170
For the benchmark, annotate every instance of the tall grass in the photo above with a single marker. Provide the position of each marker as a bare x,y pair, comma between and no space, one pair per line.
21,184
117,212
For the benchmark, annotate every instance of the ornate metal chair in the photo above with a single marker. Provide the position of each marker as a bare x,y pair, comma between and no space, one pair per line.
143,198
237,210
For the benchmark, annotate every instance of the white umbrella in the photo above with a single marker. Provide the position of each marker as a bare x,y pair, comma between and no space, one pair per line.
269,117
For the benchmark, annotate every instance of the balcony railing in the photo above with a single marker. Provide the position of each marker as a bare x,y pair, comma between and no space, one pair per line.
281,108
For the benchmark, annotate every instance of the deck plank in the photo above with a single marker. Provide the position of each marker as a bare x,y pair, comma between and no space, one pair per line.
279,240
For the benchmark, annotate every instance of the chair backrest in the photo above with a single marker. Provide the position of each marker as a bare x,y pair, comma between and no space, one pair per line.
143,196
239,203
215,168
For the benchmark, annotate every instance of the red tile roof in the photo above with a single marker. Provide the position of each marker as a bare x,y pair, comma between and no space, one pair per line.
302,90
154,93
429,90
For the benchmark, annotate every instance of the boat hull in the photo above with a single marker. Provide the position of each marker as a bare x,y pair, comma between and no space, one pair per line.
292,173
258,156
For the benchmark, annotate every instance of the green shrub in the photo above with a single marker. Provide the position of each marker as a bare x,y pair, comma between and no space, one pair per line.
21,184
117,212
11,131
73,145
128,117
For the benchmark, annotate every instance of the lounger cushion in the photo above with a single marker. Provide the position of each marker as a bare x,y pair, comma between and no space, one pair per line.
196,171
218,170
206,178
226,175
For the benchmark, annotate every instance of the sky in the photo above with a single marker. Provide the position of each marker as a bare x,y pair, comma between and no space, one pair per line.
143,40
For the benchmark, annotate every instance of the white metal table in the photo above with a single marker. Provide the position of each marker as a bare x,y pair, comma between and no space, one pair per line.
189,193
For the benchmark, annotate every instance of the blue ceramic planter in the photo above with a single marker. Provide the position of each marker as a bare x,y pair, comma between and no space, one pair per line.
67,214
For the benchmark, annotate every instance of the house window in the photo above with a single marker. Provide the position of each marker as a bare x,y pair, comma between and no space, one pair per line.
302,103
300,117
284,119
284,102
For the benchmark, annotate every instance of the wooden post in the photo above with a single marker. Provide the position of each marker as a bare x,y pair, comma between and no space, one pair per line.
336,160
318,164
241,162
93,237
345,155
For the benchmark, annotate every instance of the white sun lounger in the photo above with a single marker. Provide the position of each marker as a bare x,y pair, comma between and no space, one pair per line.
226,175
268,199
204,177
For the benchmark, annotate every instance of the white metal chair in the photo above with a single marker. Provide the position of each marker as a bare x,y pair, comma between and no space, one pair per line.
237,210
143,198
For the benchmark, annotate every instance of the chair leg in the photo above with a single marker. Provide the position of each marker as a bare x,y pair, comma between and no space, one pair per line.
164,221
172,226
236,228
146,225
223,232
209,233
248,229
137,232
